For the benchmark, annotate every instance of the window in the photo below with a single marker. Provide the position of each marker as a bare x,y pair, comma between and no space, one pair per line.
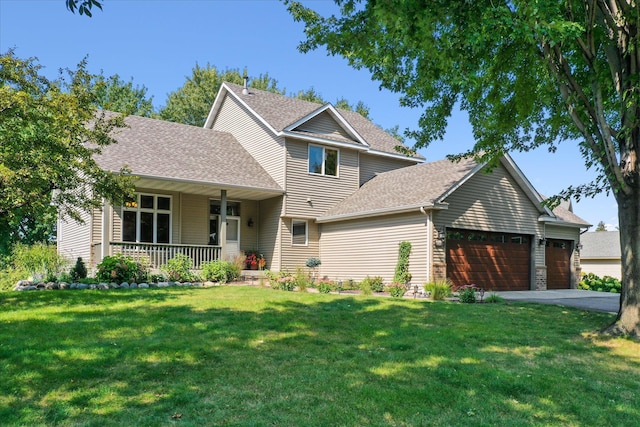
323,161
147,220
299,233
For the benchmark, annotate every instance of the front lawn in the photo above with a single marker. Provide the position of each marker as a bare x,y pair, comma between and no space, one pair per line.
255,356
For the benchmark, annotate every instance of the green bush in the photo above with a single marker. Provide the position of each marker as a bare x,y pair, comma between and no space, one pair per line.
402,274
397,290
467,294
591,281
119,268
325,286
78,271
39,261
178,268
439,289
302,279
219,271
365,287
375,284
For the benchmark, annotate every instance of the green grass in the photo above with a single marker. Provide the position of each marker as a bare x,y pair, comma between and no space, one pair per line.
258,357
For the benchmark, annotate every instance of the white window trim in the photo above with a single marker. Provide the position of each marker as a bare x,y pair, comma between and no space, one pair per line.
306,232
324,160
137,209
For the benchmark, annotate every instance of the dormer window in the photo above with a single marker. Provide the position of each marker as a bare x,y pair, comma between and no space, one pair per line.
323,161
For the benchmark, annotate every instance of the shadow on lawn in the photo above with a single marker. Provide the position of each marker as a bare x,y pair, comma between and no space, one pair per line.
294,359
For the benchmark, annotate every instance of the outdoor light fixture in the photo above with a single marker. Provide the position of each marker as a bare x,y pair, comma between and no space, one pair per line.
542,241
250,223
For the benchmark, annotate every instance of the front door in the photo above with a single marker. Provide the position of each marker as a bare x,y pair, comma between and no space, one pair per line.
233,234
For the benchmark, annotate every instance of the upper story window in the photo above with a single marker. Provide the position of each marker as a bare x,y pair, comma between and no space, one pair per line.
323,161
147,220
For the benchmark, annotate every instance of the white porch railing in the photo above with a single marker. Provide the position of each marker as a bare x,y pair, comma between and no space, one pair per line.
156,254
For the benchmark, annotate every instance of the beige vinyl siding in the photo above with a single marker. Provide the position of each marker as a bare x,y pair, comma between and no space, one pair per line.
491,202
370,165
195,219
269,240
296,256
323,191
357,248
565,233
74,238
602,267
249,235
254,136
324,124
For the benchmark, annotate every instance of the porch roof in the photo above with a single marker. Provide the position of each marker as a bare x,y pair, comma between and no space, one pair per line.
177,157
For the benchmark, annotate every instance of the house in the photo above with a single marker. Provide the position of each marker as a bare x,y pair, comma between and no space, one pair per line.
294,179
600,253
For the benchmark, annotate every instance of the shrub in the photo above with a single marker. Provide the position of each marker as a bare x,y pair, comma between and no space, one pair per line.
119,268
285,283
301,279
325,286
494,299
397,290
313,262
375,284
79,271
219,271
591,281
239,261
467,294
402,274
365,287
439,289
178,268
40,261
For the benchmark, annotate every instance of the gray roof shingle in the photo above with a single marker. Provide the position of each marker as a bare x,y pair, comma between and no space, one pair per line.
412,186
282,111
601,245
158,148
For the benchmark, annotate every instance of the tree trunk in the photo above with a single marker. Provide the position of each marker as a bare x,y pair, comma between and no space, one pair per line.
628,320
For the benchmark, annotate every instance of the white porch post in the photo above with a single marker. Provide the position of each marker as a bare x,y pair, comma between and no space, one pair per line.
105,249
223,224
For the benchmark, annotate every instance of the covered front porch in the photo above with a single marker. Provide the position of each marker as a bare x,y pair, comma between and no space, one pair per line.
204,222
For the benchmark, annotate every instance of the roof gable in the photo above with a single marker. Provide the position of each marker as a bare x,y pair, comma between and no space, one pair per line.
284,115
327,122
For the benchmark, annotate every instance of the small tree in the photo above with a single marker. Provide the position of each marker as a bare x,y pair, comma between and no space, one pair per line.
402,274
79,271
313,263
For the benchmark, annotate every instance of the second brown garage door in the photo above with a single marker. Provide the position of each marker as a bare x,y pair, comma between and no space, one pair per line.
492,261
557,254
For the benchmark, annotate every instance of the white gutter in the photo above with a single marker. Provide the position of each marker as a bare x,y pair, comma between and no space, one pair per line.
379,212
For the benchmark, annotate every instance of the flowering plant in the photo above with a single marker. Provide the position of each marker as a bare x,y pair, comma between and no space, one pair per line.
255,260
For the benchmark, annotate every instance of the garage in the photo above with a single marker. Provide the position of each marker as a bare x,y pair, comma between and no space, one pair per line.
558,259
491,260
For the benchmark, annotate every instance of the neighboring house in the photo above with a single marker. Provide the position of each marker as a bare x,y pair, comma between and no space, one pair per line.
600,253
294,179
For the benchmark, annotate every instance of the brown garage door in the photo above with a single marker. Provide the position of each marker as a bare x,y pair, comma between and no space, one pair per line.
492,261
558,255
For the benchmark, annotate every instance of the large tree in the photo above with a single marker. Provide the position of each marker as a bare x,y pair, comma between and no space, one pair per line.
115,94
191,103
50,131
529,74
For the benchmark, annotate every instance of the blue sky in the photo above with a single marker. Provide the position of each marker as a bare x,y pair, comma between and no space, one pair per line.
157,43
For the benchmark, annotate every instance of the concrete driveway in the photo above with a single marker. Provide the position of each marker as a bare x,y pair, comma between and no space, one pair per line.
589,300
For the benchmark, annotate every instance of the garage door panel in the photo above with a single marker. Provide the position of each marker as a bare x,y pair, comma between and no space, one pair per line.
490,264
558,259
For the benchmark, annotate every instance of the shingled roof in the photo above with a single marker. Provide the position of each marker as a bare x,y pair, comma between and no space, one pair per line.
173,151
281,112
408,188
600,245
